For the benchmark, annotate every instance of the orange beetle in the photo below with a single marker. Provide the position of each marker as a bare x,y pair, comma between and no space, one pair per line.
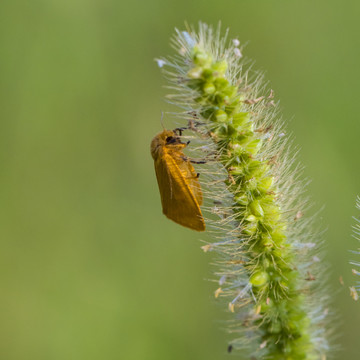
180,191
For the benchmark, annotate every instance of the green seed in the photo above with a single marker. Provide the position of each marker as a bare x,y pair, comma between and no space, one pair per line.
259,279
221,116
209,88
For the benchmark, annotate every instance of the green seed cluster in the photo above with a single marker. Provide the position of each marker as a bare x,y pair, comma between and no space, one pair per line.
283,324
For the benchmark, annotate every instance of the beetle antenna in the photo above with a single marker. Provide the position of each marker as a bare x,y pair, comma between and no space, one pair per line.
161,120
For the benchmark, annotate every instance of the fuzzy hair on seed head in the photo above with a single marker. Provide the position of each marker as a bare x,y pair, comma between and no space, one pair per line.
355,290
269,272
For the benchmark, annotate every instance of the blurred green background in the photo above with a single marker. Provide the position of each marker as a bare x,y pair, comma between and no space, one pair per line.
89,267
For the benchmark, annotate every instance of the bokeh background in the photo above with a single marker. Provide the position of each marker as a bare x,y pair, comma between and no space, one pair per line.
89,267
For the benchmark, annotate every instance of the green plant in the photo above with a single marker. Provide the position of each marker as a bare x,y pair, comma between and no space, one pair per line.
268,273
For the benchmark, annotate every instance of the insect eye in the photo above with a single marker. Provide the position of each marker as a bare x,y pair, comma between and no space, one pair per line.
170,139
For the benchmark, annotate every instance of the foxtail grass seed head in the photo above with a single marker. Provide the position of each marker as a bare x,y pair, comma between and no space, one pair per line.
269,272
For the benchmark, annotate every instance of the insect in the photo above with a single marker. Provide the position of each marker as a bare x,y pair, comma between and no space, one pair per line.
180,191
